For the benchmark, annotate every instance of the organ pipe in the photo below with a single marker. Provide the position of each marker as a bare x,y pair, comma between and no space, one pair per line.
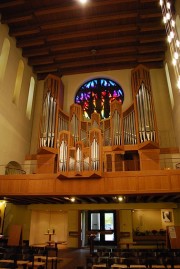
77,136
145,115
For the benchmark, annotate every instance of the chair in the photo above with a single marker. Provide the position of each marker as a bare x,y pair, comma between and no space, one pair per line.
154,262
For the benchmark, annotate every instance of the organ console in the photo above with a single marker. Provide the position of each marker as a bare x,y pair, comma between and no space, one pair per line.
78,147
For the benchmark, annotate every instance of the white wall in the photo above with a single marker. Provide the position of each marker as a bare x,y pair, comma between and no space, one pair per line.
41,221
15,127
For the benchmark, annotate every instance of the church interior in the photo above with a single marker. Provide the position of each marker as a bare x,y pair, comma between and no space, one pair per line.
90,126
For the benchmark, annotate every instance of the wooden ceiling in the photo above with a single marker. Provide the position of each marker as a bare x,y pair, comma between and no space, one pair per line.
36,199
64,37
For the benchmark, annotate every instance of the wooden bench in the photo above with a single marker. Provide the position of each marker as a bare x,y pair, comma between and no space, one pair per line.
36,264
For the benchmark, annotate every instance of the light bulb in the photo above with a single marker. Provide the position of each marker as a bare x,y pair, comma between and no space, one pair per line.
177,43
161,2
72,199
169,38
172,34
174,61
82,1
173,23
168,5
178,83
164,20
176,55
120,198
168,16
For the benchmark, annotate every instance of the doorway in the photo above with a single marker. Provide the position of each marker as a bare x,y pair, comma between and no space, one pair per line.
104,224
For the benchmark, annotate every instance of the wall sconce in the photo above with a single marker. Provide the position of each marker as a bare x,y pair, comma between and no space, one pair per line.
172,37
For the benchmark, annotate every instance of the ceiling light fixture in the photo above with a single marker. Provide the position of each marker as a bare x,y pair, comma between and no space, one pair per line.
83,1
120,198
172,37
72,199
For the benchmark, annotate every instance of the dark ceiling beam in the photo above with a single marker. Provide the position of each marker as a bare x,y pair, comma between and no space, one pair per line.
9,4
35,52
24,42
82,54
27,200
83,63
89,54
120,41
94,19
31,42
97,31
92,200
93,62
25,31
151,38
87,69
41,60
46,68
174,198
162,198
150,27
80,34
17,19
150,198
16,32
61,9
103,199
58,199
145,48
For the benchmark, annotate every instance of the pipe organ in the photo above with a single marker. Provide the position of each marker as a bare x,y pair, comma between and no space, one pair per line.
146,122
129,126
116,123
89,147
52,101
75,117
95,149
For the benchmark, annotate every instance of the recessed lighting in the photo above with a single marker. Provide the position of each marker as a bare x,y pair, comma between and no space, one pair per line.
120,198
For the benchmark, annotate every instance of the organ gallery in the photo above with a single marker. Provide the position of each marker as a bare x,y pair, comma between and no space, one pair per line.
76,146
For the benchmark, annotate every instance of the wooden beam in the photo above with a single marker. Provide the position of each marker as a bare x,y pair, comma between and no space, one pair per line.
12,3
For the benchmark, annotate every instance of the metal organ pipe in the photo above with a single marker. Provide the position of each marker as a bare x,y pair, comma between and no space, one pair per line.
78,159
95,154
48,121
44,123
129,128
116,128
63,156
145,115
75,128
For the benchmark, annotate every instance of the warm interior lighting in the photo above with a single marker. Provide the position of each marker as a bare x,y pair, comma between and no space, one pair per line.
72,199
83,1
120,198
172,37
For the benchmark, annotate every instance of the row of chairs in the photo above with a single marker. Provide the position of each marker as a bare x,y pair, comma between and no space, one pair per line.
135,259
138,253
148,263
28,257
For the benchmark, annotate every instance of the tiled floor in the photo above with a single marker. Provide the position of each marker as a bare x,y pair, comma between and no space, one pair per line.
72,258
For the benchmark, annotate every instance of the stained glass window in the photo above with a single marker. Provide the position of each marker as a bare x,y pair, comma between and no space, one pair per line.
96,96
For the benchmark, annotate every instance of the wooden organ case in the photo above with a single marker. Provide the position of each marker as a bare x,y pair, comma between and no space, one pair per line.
52,101
72,146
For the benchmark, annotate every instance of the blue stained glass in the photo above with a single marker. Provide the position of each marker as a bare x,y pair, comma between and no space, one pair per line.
96,96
